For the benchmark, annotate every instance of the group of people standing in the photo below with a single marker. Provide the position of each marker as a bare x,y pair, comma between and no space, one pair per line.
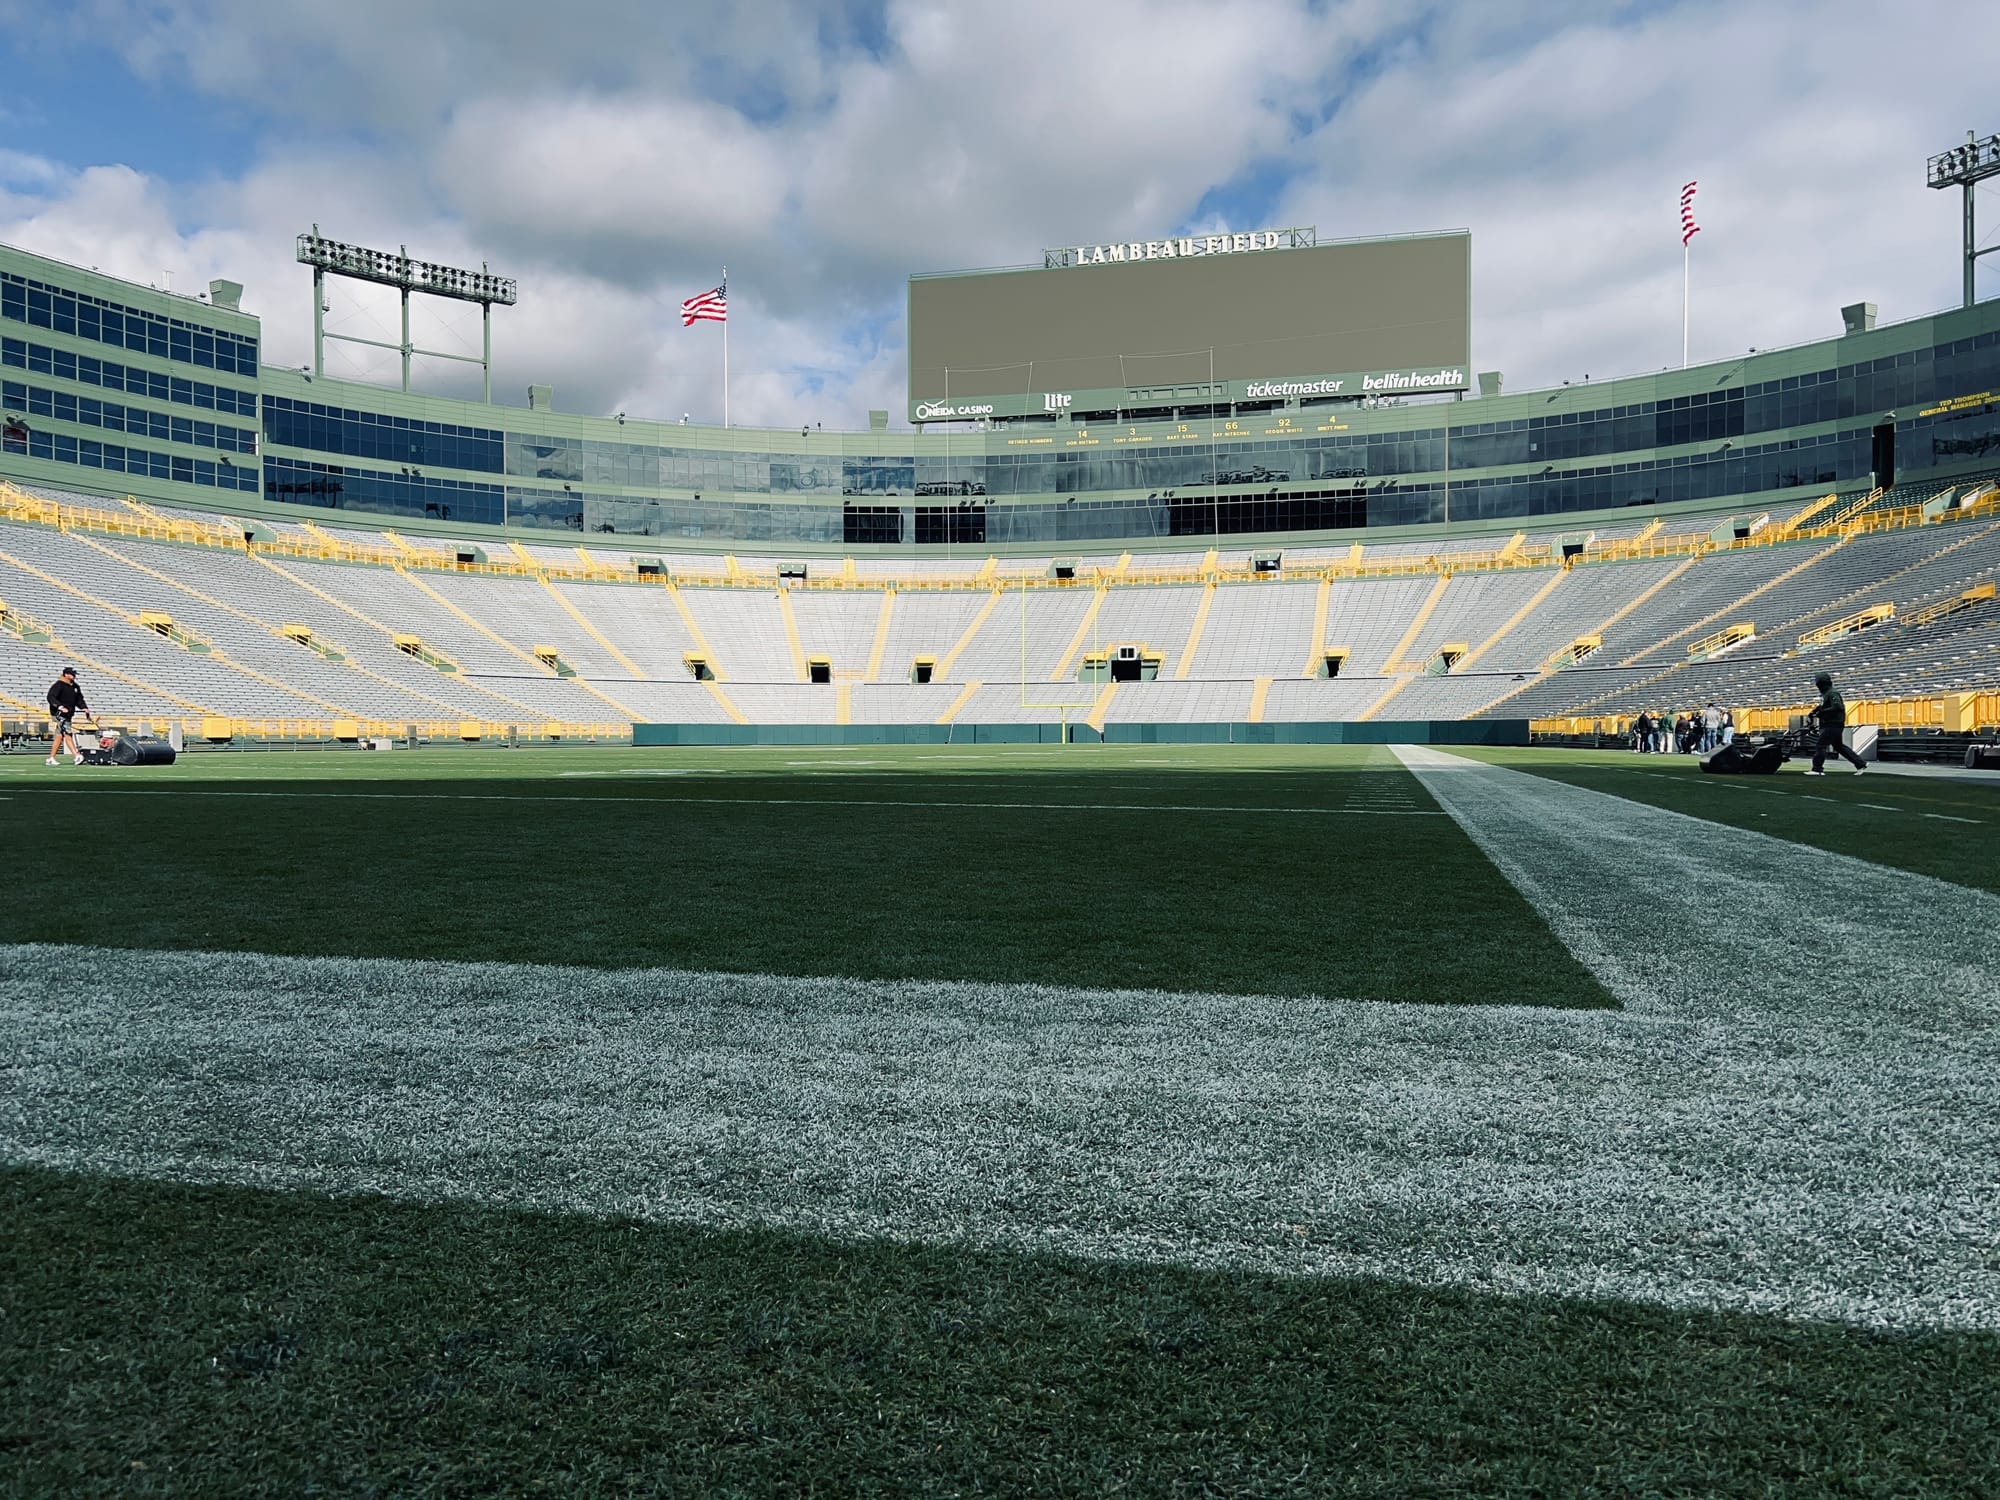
1696,732
1709,729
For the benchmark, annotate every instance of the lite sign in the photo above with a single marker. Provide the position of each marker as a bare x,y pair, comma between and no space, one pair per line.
1180,248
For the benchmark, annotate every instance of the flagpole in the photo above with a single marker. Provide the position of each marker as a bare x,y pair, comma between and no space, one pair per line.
725,352
1689,229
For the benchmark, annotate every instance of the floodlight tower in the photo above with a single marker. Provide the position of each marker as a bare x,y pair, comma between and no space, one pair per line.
407,276
1964,167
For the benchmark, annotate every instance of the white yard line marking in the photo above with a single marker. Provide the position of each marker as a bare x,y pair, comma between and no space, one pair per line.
1948,818
670,801
655,771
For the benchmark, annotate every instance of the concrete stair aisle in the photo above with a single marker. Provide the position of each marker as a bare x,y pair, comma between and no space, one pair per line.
406,605
902,702
839,626
927,623
1953,559
640,620
1258,630
527,614
1003,702
38,582
786,702
370,641
1594,595
1474,607
1343,699
27,669
747,629
1858,573
1158,617
198,586
1714,583
1048,620
672,702
1181,702
1369,618
1451,697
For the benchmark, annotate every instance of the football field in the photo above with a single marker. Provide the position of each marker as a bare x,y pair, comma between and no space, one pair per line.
1253,1120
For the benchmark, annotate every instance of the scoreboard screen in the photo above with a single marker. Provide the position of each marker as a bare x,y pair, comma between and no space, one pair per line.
1191,321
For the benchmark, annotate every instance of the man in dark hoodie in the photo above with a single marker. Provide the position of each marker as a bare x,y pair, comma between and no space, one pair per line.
65,703
1831,717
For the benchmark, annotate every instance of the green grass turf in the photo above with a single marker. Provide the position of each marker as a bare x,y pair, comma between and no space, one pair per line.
168,1339
1934,826
888,864
176,1340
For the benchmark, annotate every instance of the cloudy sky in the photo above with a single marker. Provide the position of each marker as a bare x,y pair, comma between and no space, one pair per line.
614,154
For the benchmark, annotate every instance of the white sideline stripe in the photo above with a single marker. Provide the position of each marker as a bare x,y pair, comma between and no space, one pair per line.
671,801
1826,1108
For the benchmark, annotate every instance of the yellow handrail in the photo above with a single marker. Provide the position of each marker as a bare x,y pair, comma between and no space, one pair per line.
1955,712
218,728
318,545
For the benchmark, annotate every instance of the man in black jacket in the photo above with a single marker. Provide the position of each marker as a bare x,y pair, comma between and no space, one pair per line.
1831,717
65,703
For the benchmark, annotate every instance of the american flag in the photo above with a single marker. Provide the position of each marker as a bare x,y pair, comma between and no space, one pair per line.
711,305
1689,229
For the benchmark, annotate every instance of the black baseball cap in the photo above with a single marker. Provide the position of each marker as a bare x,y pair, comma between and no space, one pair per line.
68,672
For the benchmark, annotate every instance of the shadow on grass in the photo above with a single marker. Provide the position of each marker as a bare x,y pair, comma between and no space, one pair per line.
1338,880
174,1339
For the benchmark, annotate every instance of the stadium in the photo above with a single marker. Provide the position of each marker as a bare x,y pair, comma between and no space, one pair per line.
1112,939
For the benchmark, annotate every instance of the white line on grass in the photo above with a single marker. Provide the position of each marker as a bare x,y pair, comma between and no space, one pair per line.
655,771
673,801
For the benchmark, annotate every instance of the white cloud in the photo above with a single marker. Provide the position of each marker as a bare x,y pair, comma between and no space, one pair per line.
994,133
631,181
1566,157
614,162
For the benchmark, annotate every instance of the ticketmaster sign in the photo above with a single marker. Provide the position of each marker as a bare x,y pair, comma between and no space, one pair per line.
1150,325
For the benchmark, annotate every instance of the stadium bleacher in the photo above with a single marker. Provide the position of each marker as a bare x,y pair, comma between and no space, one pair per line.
177,615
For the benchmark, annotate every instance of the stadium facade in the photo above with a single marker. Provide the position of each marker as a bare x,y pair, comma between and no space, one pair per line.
114,388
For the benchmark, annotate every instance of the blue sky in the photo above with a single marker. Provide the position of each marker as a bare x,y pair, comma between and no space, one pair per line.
80,105
614,154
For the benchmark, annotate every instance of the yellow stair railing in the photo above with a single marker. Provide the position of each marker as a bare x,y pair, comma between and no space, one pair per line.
1861,619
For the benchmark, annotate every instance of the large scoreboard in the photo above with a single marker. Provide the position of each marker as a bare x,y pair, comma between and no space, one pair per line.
1193,320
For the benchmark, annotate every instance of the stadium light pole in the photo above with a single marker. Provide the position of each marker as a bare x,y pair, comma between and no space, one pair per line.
1964,167
399,271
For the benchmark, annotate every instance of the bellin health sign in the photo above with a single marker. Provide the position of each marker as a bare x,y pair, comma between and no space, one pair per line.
1193,320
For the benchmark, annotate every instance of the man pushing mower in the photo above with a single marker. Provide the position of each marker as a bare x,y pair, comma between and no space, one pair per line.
65,703
1831,718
